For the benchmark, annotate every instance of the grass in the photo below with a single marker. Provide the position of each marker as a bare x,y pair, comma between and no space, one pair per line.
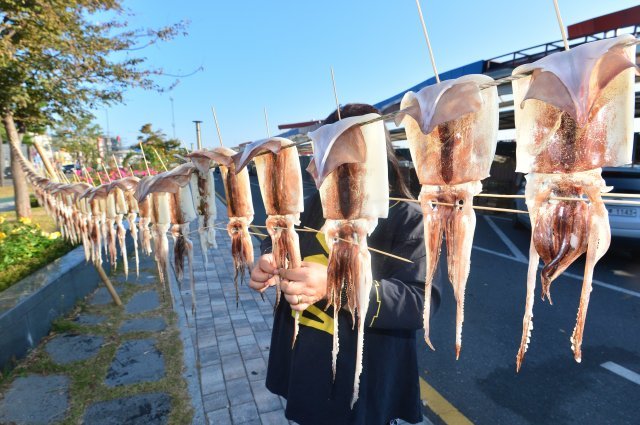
87,377
39,216
6,192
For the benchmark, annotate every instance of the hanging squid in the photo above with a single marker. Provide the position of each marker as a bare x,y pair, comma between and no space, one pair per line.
237,189
574,115
126,203
145,207
204,196
96,199
350,169
171,209
452,129
280,180
111,217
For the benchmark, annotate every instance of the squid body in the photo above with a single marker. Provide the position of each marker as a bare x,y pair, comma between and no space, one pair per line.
574,115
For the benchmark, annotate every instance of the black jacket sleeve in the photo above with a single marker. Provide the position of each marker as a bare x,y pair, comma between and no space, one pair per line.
397,296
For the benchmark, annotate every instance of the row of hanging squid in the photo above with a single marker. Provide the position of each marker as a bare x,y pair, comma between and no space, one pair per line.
573,114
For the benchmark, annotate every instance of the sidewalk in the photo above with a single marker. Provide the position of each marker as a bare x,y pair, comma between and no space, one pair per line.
231,343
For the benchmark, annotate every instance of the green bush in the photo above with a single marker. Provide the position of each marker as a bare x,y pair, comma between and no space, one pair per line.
24,248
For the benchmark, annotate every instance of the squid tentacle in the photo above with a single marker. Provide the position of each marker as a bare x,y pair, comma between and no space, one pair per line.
131,219
349,272
122,235
241,249
599,241
433,230
286,253
459,230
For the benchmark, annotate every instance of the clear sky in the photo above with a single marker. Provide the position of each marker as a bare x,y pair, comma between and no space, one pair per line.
277,53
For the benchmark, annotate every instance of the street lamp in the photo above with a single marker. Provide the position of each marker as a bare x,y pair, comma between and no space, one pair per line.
198,140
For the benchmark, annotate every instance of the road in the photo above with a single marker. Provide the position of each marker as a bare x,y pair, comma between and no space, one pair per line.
483,386
551,387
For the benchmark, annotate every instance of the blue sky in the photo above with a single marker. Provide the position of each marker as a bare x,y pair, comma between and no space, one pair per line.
276,54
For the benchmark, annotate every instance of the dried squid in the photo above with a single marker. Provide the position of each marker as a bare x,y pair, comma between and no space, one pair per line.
280,180
171,209
350,169
126,203
574,115
452,129
204,197
237,189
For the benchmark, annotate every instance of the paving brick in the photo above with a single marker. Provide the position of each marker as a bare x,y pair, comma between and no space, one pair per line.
264,399
246,340
243,413
209,355
274,418
215,401
212,379
239,391
256,369
220,417
233,367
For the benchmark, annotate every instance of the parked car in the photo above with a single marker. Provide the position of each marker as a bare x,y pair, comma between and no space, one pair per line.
68,168
623,219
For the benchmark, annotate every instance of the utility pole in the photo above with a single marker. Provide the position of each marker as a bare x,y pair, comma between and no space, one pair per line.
198,140
173,118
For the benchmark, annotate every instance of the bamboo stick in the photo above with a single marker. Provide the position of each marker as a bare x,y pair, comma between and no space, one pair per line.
108,284
117,166
160,158
566,198
106,172
266,122
475,207
335,93
145,159
215,119
562,29
426,36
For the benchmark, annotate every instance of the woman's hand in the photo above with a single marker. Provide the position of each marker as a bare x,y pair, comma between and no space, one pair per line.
262,275
305,285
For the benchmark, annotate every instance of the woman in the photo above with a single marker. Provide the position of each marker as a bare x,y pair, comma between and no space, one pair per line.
389,386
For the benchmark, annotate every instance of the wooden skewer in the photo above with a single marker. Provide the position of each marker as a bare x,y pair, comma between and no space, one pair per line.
145,159
335,94
131,170
369,248
117,166
266,122
562,29
160,158
215,119
106,172
566,198
475,207
88,177
426,36
99,178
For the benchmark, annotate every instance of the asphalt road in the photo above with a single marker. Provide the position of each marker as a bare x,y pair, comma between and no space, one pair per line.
551,388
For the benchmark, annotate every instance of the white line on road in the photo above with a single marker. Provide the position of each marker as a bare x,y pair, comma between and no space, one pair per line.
499,254
505,239
622,371
571,275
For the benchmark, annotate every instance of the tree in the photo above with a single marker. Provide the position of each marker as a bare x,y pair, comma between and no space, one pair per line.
62,58
158,150
79,138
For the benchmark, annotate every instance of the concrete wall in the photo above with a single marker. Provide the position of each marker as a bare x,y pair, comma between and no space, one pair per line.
28,308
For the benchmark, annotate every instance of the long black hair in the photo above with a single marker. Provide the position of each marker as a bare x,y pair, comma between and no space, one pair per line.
397,183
